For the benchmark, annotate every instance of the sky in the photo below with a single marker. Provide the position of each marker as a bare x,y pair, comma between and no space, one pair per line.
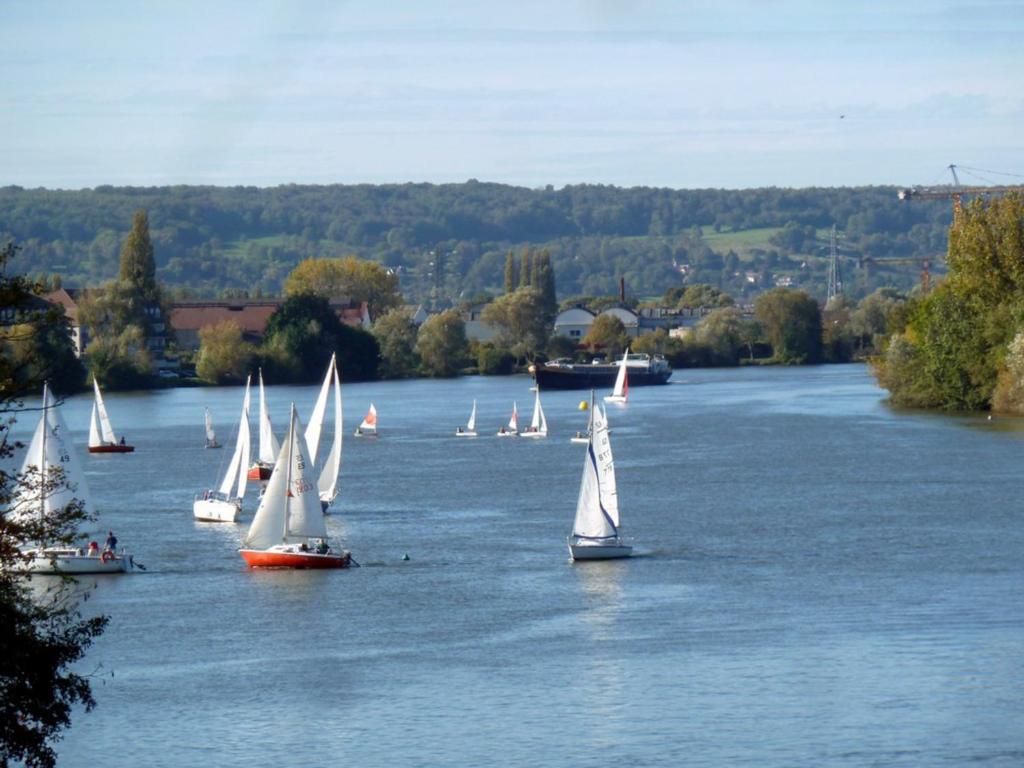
684,94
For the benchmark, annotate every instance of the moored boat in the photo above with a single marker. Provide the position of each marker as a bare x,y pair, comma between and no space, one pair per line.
60,481
644,370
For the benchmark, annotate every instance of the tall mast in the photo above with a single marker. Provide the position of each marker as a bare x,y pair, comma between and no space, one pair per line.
833,268
42,458
288,475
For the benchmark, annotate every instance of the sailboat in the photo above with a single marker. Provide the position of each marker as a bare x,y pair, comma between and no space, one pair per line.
289,517
368,427
539,423
583,438
101,433
595,531
269,447
470,430
621,391
512,430
220,506
327,482
51,459
211,436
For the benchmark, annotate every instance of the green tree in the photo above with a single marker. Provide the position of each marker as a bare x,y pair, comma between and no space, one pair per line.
441,344
607,332
41,349
525,275
869,322
224,355
492,360
522,320
42,634
138,267
792,322
396,335
722,332
302,334
120,361
349,277
510,272
700,295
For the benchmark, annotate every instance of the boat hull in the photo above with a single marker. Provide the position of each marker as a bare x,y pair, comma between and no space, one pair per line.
619,399
260,471
111,448
217,510
279,558
70,563
529,433
579,440
596,376
465,434
592,550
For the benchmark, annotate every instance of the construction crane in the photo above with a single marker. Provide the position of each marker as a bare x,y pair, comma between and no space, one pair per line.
924,261
954,193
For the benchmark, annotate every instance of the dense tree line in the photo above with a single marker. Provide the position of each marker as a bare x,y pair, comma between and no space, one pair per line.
449,241
961,346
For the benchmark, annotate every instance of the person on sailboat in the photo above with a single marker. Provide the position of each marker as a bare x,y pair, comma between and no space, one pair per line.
110,545
321,547
122,440
94,549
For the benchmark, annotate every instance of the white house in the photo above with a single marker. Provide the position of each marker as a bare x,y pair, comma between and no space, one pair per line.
574,323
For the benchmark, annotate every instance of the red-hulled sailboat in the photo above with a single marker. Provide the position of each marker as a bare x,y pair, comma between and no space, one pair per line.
289,529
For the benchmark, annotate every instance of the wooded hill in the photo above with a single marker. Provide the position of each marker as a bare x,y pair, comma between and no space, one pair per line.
449,241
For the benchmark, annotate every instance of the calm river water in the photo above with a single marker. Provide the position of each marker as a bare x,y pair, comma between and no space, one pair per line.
822,581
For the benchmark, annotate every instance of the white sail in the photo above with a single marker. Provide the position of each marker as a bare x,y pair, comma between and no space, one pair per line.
49,452
269,448
471,424
211,435
329,475
105,426
370,420
539,422
620,379
94,429
513,422
591,520
290,509
316,420
239,465
605,465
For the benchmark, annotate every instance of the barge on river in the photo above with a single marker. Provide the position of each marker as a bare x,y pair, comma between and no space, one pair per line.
643,370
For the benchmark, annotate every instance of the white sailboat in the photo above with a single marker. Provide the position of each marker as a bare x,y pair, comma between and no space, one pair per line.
220,505
595,531
620,393
101,432
368,426
211,435
327,482
470,430
57,480
512,430
289,529
268,448
539,423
